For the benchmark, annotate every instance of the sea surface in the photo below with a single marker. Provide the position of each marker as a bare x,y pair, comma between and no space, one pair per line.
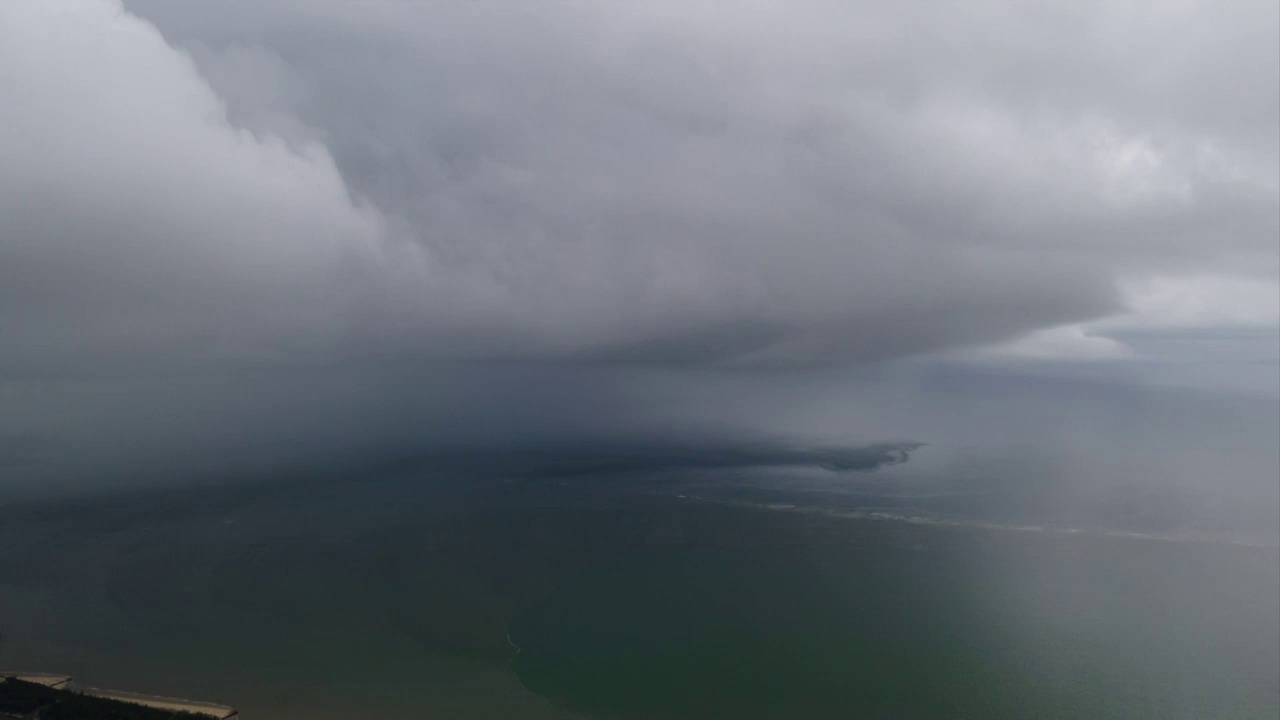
746,593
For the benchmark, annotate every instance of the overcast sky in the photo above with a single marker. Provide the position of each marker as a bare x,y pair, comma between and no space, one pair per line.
1082,188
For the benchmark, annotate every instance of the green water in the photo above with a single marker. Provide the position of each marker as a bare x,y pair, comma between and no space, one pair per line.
395,600
978,629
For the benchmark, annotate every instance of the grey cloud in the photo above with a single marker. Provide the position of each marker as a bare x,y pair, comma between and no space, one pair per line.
601,460
244,238
800,183
998,438
68,435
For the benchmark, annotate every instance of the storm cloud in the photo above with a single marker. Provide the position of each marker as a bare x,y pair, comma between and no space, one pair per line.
246,237
784,184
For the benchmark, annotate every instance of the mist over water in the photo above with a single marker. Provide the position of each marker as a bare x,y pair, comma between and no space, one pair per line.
930,545
1072,451
1018,562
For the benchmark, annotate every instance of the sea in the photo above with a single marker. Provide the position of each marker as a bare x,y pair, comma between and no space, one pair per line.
924,589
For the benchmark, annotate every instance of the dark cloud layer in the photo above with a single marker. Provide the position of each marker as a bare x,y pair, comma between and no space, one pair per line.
246,239
604,459
787,183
